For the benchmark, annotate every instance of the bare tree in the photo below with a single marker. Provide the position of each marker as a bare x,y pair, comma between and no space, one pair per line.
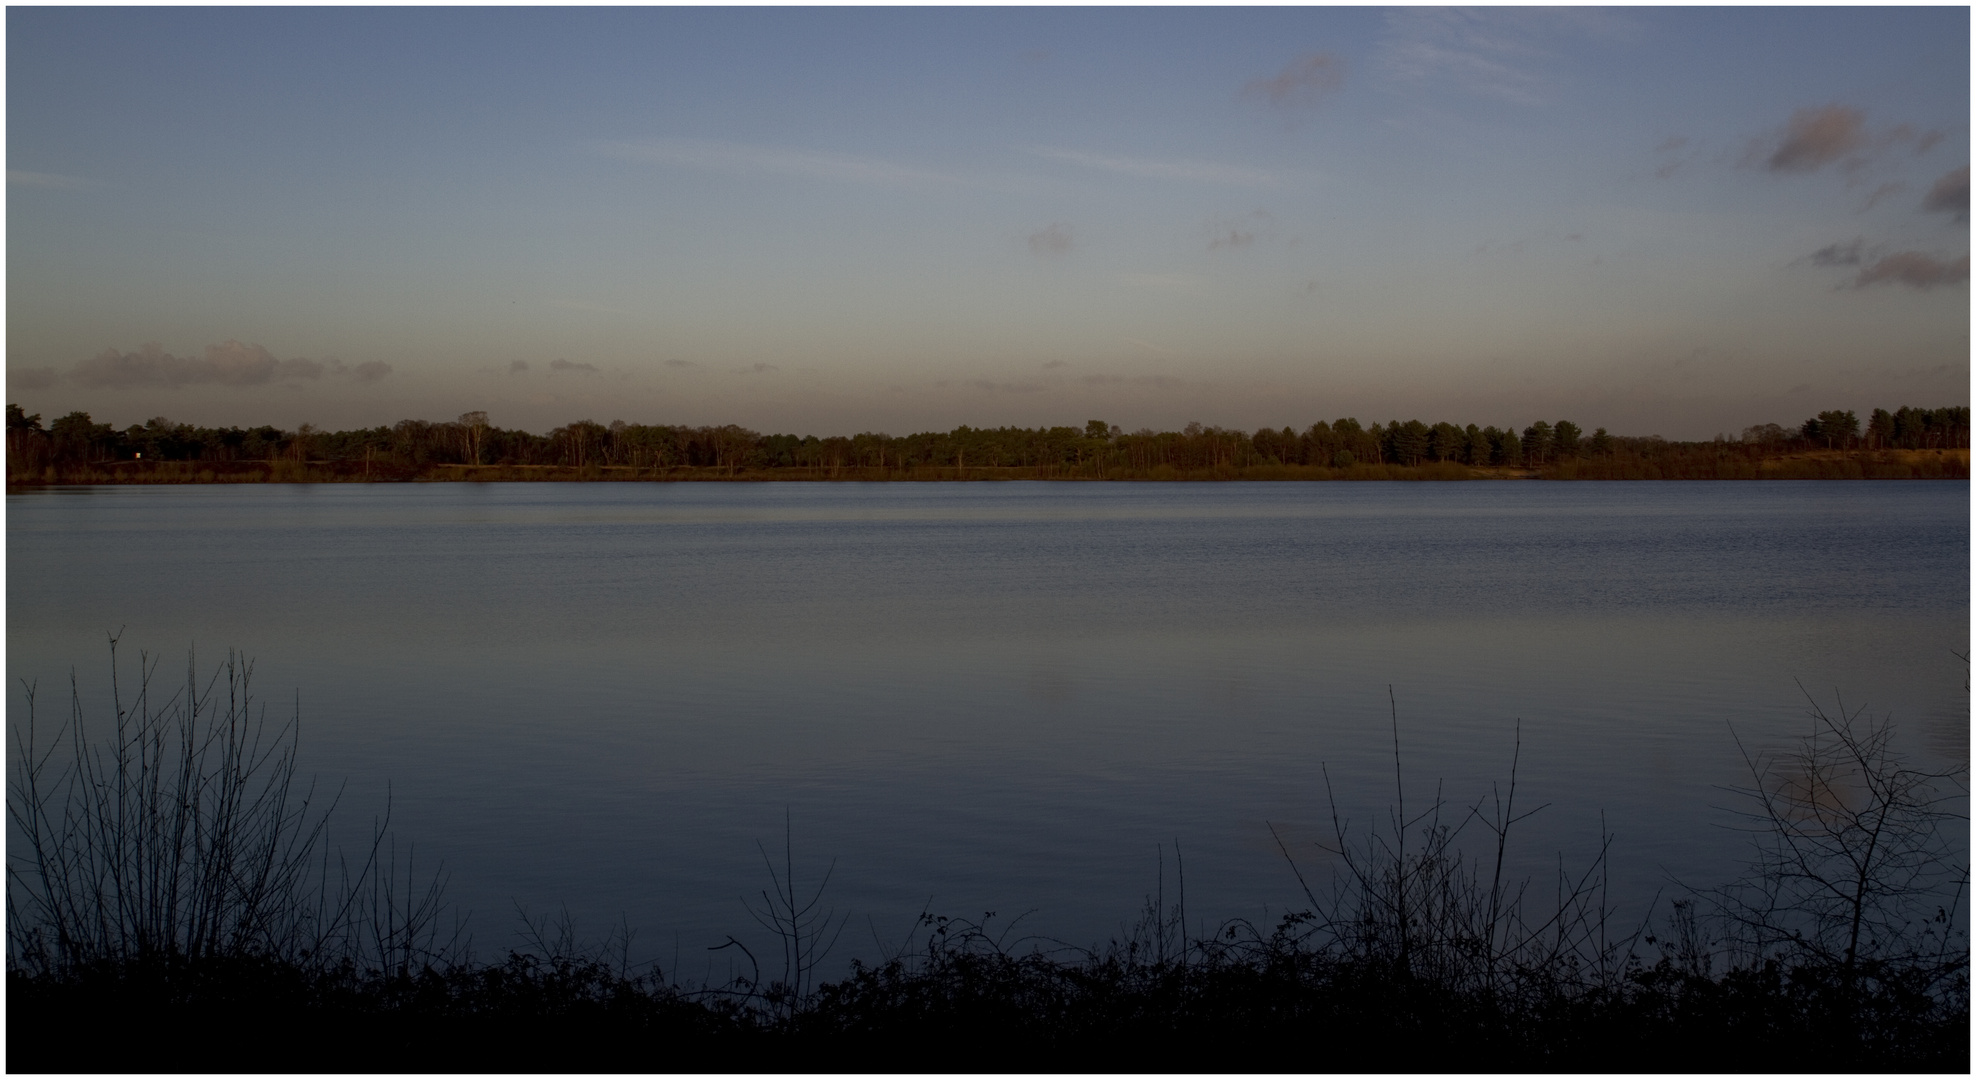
1852,860
475,425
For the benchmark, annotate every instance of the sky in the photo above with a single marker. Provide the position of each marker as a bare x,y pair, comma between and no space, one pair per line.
1674,221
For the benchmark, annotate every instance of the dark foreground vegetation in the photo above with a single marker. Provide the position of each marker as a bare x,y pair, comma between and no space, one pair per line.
173,905
1907,443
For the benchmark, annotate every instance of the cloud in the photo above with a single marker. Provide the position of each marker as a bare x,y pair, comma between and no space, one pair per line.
1815,138
1915,270
1893,187
53,181
1903,134
1054,240
1199,172
680,363
1472,50
1054,364
1005,388
36,378
756,369
1233,238
1950,194
228,364
1829,134
1305,83
570,365
517,367
1164,282
585,305
1838,254
1147,382
742,158
1242,232
1499,53
369,371
1675,151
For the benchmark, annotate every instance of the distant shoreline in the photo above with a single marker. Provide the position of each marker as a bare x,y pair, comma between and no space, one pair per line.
1944,464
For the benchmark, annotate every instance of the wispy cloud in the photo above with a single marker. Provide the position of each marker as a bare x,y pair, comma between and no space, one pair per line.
1241,232
1847,254
1950,195
991,387
1164,282
34,378
1054,364
1305,83
756,369
560,364
1197,172
1233,238
231,363
1904,135
680,363
54,181
746,158
586,305
1477,52
1503,53
1052,240
1143,382
1892,187
1673,153
517,367
1915,270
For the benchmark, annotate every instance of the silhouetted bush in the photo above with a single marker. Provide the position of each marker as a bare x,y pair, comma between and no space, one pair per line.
174,909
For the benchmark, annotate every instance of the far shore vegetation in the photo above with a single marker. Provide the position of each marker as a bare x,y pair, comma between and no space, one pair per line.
1906,443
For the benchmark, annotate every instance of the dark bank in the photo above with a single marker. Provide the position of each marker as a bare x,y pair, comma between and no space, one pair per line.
176,904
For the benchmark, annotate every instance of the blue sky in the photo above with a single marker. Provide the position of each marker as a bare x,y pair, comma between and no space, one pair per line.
1675,220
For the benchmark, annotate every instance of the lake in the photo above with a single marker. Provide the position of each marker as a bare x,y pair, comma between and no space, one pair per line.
1011,697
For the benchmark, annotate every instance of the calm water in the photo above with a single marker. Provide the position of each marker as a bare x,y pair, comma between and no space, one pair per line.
1003,697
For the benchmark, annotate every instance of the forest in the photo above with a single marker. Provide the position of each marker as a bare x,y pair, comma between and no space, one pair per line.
1904,443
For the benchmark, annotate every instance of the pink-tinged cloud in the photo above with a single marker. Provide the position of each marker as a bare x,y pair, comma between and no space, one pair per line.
1915,270
1817,137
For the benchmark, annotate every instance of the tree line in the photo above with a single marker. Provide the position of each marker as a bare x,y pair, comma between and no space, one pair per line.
1097,449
